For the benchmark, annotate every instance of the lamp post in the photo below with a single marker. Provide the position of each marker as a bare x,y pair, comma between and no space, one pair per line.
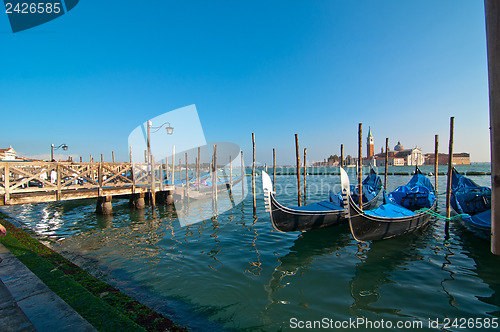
170,131
52,148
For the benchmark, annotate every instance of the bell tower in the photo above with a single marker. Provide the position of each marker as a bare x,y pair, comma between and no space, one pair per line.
369,144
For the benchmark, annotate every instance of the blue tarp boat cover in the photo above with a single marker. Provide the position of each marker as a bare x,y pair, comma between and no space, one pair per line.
469,198
481,220
371,186
322,206
417,194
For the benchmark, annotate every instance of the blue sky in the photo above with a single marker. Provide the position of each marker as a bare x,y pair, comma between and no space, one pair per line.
276,68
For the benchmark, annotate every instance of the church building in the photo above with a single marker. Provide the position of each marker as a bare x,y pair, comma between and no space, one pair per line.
399,157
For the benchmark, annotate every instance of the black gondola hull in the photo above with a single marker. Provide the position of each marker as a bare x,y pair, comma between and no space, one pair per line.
366,227
286,219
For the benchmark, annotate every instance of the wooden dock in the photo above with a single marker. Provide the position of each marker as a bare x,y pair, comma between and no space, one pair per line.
36,182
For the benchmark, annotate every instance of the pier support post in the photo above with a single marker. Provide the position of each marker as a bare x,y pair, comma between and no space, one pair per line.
169,198
137,201
104,205
165,197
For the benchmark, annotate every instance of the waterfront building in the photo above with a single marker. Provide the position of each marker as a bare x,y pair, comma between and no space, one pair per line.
392,161
326,163
402,157
8,154
398,157
399,147
462,158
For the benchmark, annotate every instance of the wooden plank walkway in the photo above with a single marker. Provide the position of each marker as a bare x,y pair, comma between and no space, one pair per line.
35,182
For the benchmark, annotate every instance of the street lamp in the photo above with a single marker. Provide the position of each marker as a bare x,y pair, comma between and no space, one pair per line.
169,128
52,148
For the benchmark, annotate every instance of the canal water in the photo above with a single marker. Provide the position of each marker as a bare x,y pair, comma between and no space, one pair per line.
236,273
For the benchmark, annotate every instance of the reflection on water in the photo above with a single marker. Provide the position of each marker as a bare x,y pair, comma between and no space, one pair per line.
485,266
234,272
375,269
255,266
304,251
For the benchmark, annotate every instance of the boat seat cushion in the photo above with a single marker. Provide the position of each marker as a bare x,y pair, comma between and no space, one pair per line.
318,207
390,210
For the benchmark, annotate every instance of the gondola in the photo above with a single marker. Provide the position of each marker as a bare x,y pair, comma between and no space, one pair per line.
302,218
472,202
400,214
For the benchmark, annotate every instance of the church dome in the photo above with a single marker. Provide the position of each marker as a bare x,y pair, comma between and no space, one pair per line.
399,147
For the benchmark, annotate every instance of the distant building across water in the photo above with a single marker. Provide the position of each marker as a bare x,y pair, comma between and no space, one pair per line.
458,159
8,154
399,157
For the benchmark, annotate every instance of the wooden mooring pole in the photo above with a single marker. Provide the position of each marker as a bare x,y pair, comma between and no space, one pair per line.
243,176
230,175
305,176
253,175
448,184
132,176
166,170
342,155
436,162
274,167
180,168
212,177
198,165
173,164
153,185
215,181
492,11
187,175
360,165
196,170
386,161
299,188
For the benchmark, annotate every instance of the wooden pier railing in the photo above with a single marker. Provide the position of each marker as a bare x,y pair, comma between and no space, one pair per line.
35,182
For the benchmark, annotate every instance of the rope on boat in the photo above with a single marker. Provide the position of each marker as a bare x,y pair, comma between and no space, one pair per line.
437,215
